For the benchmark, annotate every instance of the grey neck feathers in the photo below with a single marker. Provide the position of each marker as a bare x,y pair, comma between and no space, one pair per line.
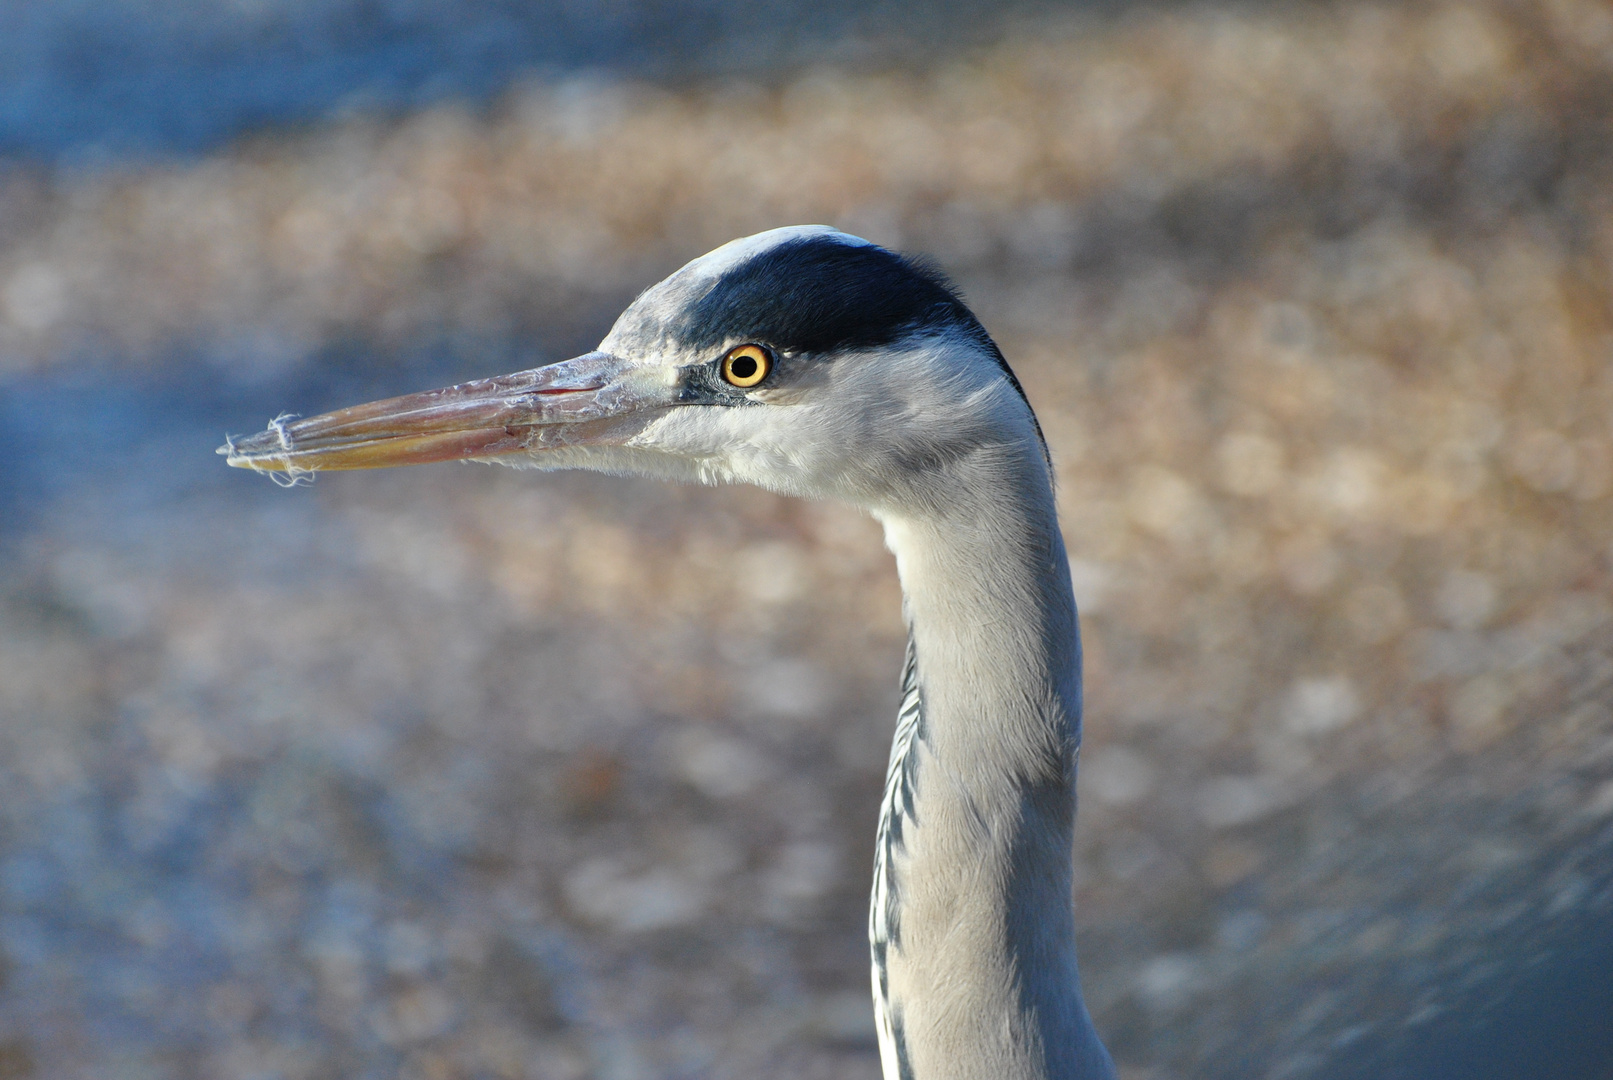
972,929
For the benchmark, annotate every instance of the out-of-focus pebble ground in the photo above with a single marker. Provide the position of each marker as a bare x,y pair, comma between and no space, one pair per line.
463,772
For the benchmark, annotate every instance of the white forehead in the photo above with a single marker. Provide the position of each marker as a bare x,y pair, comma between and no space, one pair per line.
715,264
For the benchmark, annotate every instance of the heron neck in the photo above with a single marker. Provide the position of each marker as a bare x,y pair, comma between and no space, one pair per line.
979,969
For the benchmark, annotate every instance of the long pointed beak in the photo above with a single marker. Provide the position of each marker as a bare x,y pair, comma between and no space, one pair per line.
564,404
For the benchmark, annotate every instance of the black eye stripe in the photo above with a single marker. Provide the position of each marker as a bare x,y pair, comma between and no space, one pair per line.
817,295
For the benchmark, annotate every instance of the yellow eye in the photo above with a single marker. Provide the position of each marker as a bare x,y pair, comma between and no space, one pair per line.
746,366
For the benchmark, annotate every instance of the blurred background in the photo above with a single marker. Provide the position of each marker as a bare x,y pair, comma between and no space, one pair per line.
460,773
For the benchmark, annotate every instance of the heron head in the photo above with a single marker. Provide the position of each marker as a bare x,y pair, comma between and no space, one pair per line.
802,360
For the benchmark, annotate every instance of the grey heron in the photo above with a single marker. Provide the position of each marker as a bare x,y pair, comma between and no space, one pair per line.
816,364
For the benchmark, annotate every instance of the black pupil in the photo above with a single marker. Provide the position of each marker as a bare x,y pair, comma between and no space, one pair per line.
743,367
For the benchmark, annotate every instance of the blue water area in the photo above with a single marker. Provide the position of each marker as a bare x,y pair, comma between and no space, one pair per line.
1556,1023
130,442
95,82
148,437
